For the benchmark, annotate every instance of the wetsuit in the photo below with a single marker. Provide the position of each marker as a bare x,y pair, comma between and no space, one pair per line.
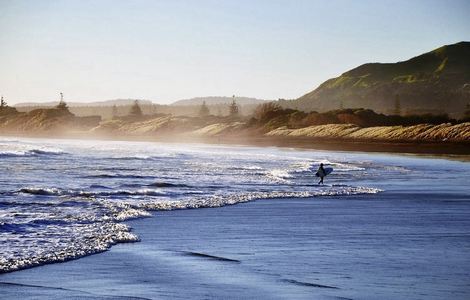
321,171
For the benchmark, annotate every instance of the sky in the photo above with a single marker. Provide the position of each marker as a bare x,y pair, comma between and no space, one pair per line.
171,50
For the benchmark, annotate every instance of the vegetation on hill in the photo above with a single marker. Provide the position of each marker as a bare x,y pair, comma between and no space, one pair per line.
44,119
135,111
423,132
109,111
204,110
269,119
117,102
233,109
5,109
271,115
434,82
214,100
408,100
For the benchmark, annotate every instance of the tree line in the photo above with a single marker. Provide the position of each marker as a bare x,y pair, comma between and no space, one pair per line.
271,115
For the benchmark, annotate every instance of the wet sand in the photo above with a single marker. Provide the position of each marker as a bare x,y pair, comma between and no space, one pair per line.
385,246
459,150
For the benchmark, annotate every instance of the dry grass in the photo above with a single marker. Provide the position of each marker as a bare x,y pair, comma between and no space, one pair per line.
422,132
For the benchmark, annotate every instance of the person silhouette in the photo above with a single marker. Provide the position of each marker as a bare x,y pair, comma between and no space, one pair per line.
321,173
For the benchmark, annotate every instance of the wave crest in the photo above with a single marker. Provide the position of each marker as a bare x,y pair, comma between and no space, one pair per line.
95,226
31,152
74,193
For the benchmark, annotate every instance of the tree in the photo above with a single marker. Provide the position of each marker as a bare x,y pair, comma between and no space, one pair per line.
114,112
397,110
467,112
5,109
154,109
341,105
204,110
266,111
62,105
3,103
233,108
135,110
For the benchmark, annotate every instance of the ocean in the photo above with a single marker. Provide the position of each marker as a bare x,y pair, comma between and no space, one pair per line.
65,199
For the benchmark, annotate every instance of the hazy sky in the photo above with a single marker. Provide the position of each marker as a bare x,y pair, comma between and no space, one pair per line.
170,50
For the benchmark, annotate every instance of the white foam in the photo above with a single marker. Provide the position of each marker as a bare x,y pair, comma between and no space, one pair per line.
78,245
279,175
58,211
12,150
94,228
223,200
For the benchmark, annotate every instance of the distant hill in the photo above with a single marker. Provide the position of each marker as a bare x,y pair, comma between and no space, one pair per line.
434,82
213,100
217,106
117,102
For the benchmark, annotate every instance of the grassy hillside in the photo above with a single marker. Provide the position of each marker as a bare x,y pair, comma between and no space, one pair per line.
434,82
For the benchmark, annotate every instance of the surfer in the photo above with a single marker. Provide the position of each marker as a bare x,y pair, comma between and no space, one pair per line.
321,173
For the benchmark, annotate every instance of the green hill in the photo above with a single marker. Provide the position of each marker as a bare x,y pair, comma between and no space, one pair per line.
434,82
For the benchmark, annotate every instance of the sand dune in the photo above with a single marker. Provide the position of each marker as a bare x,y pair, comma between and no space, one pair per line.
421,132
53,120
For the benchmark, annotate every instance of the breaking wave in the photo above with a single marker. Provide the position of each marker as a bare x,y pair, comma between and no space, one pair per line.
59,192
74,203
130,176
83,244
96,226
25,151
224,200
167,184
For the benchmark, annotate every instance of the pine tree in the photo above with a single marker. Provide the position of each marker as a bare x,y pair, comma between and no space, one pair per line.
62,105
114,112
135,110
467,111
204,110
233,108
3,103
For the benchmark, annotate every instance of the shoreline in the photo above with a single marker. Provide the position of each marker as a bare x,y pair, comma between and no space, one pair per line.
459,150
209,253
380,245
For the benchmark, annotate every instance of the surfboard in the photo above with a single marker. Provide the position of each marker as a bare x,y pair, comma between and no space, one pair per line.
327,171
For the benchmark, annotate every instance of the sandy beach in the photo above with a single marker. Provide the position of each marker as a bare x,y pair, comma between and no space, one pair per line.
443,148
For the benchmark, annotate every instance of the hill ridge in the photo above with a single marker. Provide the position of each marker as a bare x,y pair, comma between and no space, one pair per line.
437,81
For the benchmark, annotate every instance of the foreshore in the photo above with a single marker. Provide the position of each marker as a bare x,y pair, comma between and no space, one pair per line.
310,248
376,229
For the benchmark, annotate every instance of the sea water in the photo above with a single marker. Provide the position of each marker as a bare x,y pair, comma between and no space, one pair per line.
63,199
